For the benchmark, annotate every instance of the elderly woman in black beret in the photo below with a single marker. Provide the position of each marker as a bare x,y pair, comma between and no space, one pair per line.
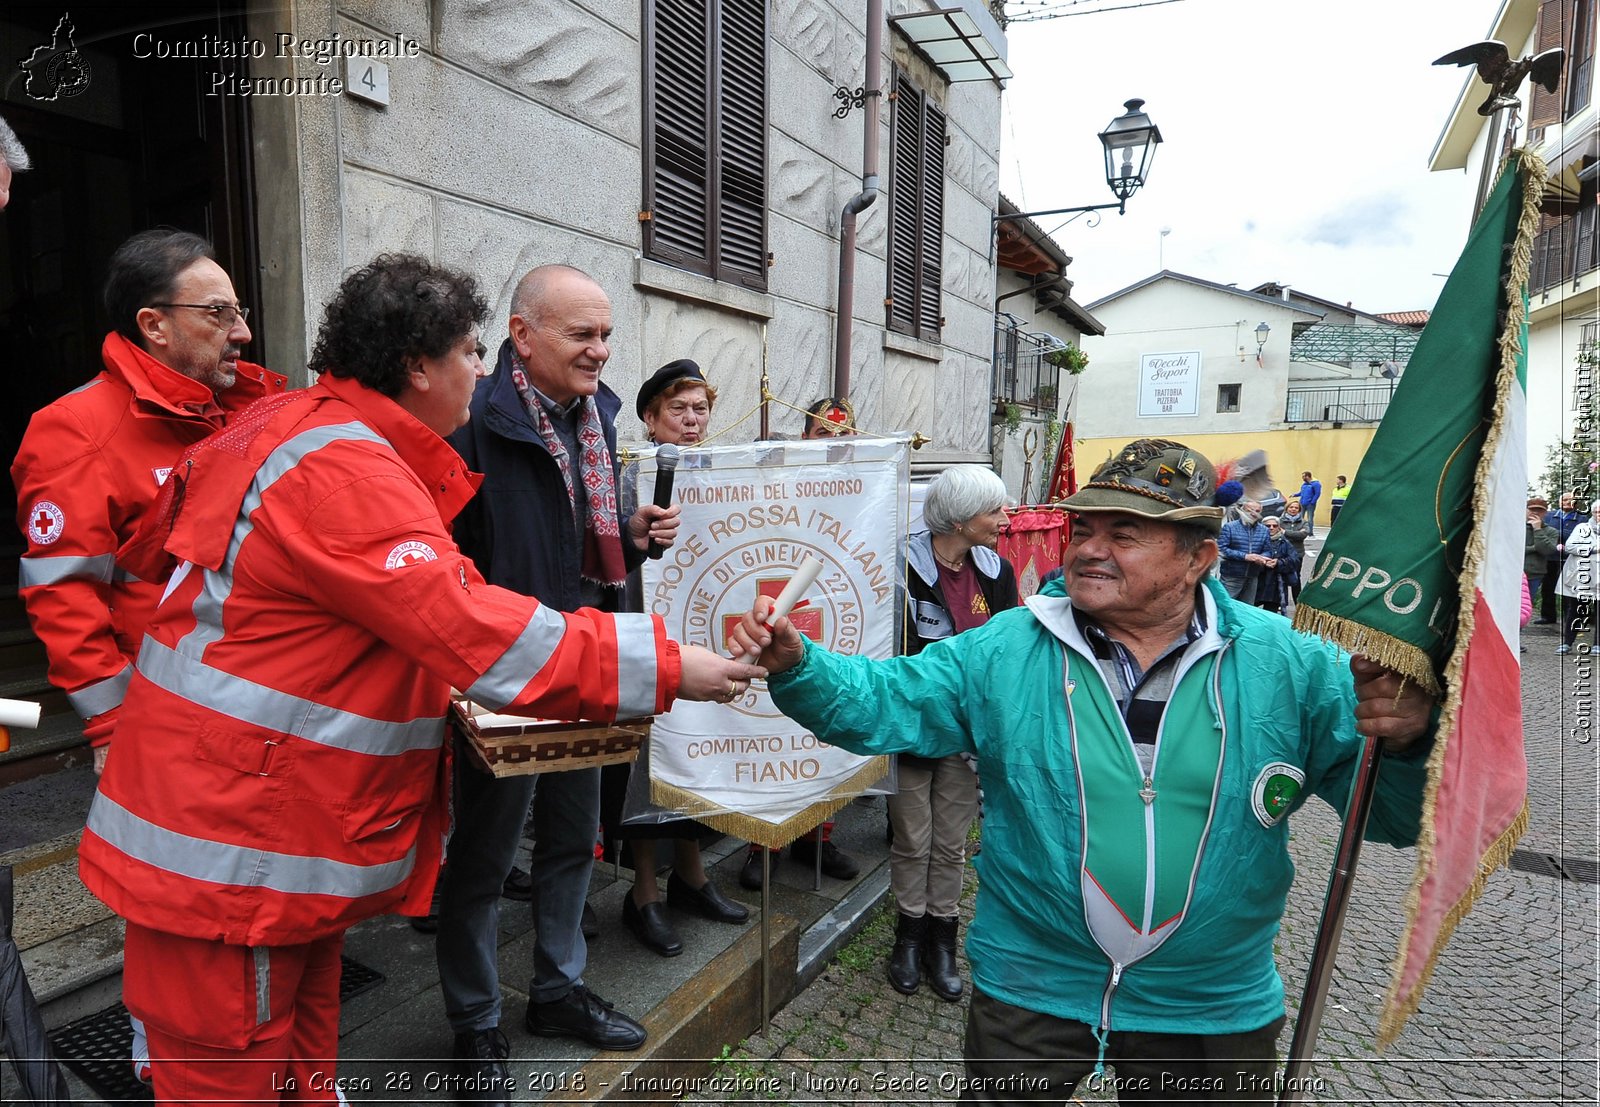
675,404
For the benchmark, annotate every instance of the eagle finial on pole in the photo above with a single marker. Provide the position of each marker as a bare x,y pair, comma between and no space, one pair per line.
1503,75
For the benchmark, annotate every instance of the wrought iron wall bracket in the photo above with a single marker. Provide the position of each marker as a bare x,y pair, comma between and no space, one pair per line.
997,218
848,99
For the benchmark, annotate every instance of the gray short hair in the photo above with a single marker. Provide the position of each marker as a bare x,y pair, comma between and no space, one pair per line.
960,493
11,151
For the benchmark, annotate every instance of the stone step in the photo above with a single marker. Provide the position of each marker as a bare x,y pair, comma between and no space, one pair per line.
56,744
71,943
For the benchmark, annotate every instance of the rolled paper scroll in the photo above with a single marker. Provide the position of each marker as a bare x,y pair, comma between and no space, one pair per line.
804,577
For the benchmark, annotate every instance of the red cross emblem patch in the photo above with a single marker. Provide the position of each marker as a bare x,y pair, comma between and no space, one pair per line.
46,523
409,553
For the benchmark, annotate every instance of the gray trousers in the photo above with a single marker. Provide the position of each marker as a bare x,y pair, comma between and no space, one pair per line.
489,818
1244,588
931,812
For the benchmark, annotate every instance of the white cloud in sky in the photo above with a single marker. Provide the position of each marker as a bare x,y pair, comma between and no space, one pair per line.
1297,138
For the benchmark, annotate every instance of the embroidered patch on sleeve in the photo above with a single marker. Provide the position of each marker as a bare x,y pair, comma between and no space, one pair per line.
1274,791
46,523
409,553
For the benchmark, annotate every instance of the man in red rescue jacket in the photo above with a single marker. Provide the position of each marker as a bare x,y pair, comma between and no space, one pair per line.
92,464
287,712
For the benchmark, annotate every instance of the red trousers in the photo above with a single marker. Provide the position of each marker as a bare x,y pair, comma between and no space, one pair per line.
231,1023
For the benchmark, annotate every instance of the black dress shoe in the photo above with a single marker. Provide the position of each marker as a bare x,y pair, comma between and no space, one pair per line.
481,1062
589,922
649,924
750,872
518,885
582,1014
835,862
707,901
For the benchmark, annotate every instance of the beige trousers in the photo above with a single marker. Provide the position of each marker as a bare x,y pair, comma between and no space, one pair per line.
930,814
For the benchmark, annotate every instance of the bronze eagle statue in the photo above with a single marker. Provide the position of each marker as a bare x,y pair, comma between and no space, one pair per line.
1503,75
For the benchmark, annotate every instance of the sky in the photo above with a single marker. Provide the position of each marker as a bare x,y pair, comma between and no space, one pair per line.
1296,141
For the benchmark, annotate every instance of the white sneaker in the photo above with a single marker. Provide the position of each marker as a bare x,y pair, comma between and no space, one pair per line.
1563,648
140,1052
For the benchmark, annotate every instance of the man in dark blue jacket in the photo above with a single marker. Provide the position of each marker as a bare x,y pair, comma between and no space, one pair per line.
545,523
1562,521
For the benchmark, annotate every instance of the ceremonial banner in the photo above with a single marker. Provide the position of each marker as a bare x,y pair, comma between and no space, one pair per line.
1034,541
1437,598
750,515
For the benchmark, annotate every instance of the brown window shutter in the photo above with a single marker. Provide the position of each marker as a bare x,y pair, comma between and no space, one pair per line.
905,141
677,159
1585,226
705,137
931,253
1579,71
1555,22
916,213
741,112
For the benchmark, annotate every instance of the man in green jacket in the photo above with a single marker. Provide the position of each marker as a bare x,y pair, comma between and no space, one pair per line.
1141,744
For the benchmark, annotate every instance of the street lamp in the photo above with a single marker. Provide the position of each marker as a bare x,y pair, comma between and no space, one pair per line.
1129,135
1262,331
1130,142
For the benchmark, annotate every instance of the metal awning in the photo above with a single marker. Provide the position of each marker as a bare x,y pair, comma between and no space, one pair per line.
949,39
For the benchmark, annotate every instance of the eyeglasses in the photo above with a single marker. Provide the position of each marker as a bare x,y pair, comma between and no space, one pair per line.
224,314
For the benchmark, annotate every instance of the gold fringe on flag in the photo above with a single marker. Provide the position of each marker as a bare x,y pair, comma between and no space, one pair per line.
1353,637
760,831
1397,1009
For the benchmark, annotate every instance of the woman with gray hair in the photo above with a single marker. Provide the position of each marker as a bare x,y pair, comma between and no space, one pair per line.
954,582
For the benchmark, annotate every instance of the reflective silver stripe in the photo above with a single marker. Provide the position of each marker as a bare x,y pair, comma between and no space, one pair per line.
102,695
218,586
262,956
636,665
270,709
34,571
523,659
241,866
179,575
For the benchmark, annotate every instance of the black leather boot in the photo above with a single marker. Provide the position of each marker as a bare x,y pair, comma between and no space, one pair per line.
905,971
939,958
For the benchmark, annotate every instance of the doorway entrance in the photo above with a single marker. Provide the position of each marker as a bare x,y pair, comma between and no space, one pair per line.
127,143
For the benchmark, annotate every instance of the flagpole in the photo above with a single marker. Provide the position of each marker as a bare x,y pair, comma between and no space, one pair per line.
1319,976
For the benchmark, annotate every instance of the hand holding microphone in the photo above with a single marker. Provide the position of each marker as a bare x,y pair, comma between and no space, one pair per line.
666,470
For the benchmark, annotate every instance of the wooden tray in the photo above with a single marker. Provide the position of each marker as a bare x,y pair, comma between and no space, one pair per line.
514,745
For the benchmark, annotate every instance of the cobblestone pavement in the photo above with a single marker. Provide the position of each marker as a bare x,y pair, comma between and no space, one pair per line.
1511,1014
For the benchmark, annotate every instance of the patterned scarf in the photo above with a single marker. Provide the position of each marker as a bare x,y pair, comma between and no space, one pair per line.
602,537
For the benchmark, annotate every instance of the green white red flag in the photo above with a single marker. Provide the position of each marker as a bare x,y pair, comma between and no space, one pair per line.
1440,602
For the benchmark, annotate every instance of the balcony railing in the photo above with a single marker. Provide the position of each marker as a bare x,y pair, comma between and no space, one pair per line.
1362,404
1566,251
1022,375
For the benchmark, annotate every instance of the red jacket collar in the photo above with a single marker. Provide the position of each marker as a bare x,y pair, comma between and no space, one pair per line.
155,384
436,464
194,517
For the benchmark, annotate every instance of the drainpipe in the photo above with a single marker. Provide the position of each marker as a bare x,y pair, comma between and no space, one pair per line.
844,318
